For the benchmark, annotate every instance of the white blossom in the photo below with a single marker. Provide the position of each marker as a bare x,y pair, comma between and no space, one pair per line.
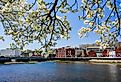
109,4
86,21
91,23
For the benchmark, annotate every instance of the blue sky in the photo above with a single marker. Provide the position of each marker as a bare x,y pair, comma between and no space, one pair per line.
74,40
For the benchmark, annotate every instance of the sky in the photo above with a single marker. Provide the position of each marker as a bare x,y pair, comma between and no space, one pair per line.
74,40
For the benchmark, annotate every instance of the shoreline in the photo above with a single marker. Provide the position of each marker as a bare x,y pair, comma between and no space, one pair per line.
93,61
30,62
104,62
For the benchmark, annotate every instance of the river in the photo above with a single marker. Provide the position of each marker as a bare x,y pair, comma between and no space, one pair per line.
60,72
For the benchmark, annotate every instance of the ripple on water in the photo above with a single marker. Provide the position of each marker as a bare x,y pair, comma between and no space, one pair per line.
60,72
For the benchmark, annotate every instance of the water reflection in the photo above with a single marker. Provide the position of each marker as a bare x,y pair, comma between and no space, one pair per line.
113,72
60,72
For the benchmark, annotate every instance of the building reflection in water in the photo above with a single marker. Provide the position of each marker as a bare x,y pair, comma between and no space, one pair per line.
113,71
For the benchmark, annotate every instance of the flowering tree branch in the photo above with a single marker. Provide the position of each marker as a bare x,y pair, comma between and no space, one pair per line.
106,25
37,21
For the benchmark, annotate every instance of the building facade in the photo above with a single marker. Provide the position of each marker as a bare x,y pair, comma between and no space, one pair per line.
70,52
80,52
94,51
98,51
89,50
10,53
118,51
61,52
65,52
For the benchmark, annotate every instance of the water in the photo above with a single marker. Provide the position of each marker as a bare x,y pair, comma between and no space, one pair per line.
60,72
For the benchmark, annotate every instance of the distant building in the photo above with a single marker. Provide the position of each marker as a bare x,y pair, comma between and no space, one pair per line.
99,52
112,54
65,52
89,50
105,53
10,53
79,52
61,52
70,52
118,51
92,53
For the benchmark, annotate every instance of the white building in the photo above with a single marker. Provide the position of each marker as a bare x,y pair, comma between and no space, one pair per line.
79,52
10,53
99,51
112,54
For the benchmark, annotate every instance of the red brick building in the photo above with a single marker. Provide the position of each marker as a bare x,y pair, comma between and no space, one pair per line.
105,53
70,52
61,52
92,53
118,52
65,52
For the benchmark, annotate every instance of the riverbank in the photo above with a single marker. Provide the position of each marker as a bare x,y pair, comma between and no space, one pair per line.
105,61
30,62
93,61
